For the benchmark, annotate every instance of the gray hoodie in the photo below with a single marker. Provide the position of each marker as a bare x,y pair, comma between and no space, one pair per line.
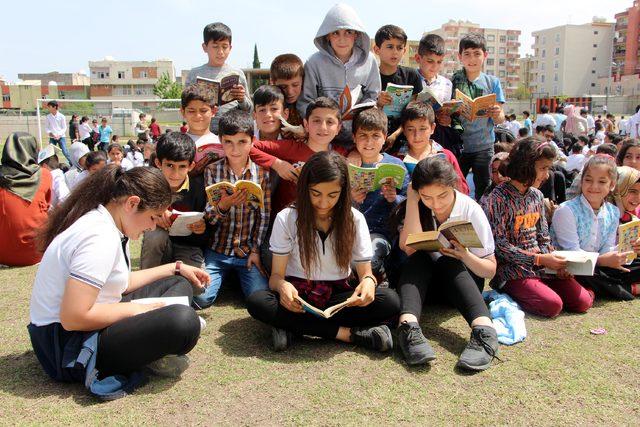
326,75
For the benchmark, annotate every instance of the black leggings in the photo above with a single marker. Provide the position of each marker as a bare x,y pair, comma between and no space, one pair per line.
265,306
446,277
134,342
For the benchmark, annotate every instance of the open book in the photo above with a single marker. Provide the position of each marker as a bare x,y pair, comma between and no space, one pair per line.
432,241
428,96
627,235
472,109
255,196
400,95
219,90
181,220
371,179
579,263
348,102
166,300
327,313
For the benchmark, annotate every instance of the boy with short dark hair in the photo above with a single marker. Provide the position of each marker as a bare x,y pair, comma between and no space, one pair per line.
526,123
105,132
174,157
369,135
55,126
217,46
390,46
343,60
268,108
478,136
238,227
287,72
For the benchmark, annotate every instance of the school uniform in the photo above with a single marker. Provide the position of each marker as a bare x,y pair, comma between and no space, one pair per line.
431,274
326,284
125,346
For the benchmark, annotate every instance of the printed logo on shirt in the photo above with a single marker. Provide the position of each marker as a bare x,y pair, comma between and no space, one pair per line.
527,221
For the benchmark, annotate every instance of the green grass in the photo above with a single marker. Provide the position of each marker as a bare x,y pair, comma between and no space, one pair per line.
560,375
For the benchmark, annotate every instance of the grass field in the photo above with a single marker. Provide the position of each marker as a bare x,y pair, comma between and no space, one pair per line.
560,375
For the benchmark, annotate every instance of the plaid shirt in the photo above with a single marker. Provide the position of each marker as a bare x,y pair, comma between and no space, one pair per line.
242,229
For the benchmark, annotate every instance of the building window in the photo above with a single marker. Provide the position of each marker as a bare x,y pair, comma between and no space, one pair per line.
542,66
491,49
595,45
501,62
557,37
143,74
502,50
503,39
555,90
557,51
6,97
544,53
595,33
593,71
491,38
555,64
502,73
541,78
555,77
121,74
544,39
102,74
489,61
593,85
593,58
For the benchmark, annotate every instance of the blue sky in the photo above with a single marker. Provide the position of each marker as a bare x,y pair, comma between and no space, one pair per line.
41,36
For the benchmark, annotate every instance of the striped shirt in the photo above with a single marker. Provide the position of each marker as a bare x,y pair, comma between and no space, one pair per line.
520,231
242,229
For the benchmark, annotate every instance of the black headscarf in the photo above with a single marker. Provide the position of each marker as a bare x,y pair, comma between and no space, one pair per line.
19,169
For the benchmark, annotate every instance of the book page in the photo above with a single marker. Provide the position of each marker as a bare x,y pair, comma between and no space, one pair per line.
579,263
362,178
179,227
214,191
390,174
482,104
429,241
210,87
462,232
400,95
226,84
430,97
628,234
255,196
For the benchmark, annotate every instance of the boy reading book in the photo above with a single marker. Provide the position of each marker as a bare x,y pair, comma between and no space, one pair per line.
369,134
287,72
342,65
197,109
390,46
217,46
478,136
238,227
174,157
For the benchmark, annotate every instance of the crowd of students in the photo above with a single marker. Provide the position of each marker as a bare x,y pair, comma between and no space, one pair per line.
315,237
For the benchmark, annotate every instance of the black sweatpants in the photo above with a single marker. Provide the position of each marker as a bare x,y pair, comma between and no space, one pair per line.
265,306
421,277
134,342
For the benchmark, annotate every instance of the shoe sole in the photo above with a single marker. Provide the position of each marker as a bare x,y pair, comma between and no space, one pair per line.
423,361
479,368
389,340
172,367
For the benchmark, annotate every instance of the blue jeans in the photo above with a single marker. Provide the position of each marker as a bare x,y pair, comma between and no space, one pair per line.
219,266
62,143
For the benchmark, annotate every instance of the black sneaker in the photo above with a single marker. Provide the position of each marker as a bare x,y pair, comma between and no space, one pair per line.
376,337
281,339
415,347
481,350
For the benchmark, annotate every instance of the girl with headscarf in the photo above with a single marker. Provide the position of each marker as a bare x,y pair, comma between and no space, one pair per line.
25,195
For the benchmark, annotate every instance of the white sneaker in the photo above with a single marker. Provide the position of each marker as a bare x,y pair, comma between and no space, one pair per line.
203,323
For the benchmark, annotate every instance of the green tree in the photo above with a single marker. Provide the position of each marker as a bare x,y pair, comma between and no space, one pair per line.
256,61
522,92
165,88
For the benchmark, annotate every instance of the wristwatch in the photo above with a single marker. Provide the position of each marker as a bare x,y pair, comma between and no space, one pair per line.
176,270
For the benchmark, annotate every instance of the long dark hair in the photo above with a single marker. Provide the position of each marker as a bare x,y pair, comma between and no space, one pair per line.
325,166
108,184
521,163
627,143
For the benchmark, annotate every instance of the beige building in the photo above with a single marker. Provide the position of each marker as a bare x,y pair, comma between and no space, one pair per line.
525,73
568,60
63,79
113,80
502,48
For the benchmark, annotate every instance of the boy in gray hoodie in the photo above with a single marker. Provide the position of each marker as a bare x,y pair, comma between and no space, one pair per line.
342,60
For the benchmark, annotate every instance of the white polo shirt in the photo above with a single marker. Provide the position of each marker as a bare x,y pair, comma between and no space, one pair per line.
284,241
466,209
90,251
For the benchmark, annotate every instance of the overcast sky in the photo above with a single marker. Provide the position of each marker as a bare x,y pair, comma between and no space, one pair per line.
63,35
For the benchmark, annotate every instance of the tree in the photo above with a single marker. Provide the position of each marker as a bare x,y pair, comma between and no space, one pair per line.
522,92
256,61
165,88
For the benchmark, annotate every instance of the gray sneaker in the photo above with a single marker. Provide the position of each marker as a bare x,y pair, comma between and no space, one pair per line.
415,347
376,337
481,350
281,339
169,366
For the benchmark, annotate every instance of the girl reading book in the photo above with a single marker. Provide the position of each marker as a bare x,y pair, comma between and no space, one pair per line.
590,223
84,286
523,245
455,273
314,244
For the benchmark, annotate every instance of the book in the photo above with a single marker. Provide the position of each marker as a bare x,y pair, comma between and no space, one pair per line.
579,263
327,313
627,235
428,96
255,196
432,241
472,109
288,127
371,179
181,220
348,102
219,90
166,300
211,150
401,96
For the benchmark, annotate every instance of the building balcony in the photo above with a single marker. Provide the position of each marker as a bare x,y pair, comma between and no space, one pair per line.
513,43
